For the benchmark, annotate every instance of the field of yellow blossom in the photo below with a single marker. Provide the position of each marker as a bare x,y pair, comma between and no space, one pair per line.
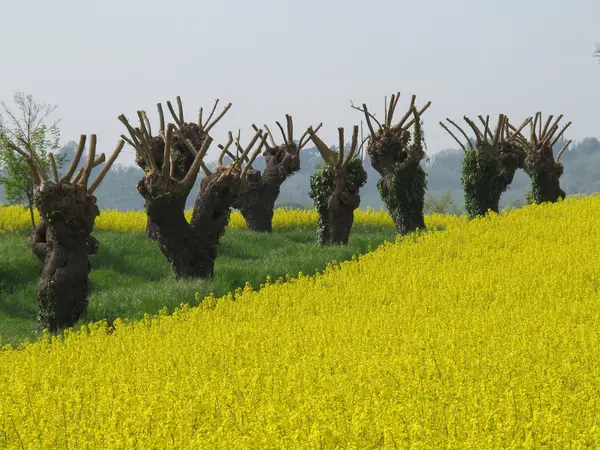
15,218
485,335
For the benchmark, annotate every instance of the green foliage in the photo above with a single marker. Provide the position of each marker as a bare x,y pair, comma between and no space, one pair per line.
28,132
481,180
403,191
130,277
545,187
440,204
322,184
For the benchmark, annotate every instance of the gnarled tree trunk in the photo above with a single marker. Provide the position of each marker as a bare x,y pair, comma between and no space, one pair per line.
258,192
183,248
540,165
335,190
403,181
489,166
68,213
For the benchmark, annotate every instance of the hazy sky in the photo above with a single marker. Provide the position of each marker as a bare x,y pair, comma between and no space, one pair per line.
97,59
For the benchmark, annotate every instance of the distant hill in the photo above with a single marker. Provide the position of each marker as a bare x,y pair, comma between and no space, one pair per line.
581,176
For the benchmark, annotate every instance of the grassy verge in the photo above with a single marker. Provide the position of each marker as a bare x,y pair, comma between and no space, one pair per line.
130,277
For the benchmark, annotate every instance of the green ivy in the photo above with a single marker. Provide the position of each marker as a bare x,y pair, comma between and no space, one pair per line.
322,184
482,180
545,187
403,192
404,196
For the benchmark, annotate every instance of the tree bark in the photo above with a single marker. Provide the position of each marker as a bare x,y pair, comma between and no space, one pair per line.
403,181
30,205
259,192
182,161
190,248
545,174
67,217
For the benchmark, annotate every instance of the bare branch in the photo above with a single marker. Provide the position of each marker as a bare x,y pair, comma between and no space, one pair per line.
175,116
545,130
190,176
340,158
368,117
253,157
211,113
79,175
226,148
476,130
90,160
560,134
180,108
353,145
562,150
328,155
302,141
285,141
238,161
461,131
67,177
216,119
452,134
517,132
417,116
161,118
166,165
405,117
486,126
271,137
53,167
36,173
290,128
106,167
534,137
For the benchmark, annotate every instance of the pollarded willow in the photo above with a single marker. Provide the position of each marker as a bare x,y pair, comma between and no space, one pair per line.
259,191
490,161
190,248
335,189
396,155
63,240
541,166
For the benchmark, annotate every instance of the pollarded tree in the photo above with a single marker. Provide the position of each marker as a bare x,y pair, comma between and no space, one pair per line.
540,165
68,210
183,158
397,155
335,189
489,164
259,191
38,241
190,248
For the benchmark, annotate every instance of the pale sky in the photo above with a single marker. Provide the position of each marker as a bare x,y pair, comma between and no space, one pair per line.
308,58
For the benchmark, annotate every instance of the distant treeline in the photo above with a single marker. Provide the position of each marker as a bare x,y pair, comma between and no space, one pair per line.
581,176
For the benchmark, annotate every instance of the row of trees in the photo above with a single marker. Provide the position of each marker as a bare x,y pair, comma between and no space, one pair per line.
172,158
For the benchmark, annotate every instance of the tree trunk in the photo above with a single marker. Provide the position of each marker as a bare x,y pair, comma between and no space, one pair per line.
68,215
342,218
403,181
212,210
179,243
402,193
546,187
30,204
259,192
257,204
335,221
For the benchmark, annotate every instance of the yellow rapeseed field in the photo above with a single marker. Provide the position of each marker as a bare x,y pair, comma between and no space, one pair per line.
486,335
15,218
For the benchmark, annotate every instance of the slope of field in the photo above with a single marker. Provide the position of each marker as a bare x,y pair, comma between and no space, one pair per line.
130,277
482,336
